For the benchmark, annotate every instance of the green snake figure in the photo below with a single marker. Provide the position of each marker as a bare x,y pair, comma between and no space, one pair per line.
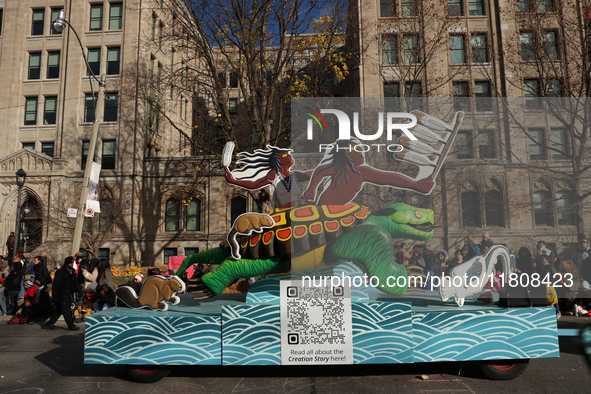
306,236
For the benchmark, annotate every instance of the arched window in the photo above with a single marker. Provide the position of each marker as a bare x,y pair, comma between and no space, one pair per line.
543,208
193,217
238,207
31,232
172,215
471,209
564,212
494,210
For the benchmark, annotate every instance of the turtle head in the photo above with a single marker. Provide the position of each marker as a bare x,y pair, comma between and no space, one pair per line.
406,221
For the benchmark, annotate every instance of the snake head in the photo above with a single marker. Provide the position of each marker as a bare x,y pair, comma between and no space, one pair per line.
406,221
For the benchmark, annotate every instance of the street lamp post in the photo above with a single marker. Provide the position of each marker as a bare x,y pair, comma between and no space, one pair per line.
21,176
58,25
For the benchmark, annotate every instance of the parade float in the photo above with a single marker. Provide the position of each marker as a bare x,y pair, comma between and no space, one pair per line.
329,289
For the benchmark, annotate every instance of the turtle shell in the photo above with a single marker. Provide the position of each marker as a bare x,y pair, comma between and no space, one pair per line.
302,228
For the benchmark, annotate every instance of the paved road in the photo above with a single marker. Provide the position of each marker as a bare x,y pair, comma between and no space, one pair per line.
33,360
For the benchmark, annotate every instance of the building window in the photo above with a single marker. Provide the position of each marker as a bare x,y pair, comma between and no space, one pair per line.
486,145
47,148
386,8
553,88
391,89
116,16
413,89
108,155
38,22
49,115
564,205
28,145
482,94
545,6
84,156
31,111
523,6
543,208
190,251
111,100
94,60
96,17
1,17
238,207
526,40
104,254
89,102
531,90
454,8
537,144
456,47
460,94
471,209
168,253
53,65
494,212
409,7
172,215
113,60
233,106
389,49
550,45
193,219
475,7
222,80
54,14
479,52
464,145
559,145
411,48
233,80
34,65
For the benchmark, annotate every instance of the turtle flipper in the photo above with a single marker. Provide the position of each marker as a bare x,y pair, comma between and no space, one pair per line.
212,256
369,246
231,270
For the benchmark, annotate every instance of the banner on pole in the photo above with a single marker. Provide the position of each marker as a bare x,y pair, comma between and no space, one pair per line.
92,199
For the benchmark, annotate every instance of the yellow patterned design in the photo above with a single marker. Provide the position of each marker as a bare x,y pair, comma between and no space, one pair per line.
338,211
305,214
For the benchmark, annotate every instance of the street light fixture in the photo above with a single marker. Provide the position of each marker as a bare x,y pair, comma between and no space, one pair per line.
21,177
59,24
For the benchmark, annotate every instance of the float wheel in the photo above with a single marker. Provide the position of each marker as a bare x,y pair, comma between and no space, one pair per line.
504,369
147,373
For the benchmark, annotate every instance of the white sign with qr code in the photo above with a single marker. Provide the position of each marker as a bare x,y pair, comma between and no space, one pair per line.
316,324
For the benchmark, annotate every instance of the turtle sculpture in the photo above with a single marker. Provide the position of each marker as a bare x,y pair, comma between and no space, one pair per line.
331,233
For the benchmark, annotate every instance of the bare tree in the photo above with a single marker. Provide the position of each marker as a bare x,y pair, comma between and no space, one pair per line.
549,56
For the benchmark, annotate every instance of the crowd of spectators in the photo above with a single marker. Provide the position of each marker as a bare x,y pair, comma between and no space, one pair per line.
79,288
543,261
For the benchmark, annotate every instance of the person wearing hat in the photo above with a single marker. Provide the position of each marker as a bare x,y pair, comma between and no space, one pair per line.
24,314
417,258
64,286
486,241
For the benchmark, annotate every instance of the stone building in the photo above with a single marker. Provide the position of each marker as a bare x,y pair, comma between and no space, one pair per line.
516,182
154,201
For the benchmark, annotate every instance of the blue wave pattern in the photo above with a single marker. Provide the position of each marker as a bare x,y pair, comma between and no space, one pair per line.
267,288
382,333
251,334
485,335
152,338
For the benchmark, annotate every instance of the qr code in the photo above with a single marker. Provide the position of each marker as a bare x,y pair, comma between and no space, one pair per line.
316,315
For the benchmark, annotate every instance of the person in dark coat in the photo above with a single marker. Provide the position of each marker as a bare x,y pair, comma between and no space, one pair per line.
13,284
64,286
40,271
524,261
106,298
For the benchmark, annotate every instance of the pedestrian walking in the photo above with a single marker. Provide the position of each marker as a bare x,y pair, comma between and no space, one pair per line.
64,286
